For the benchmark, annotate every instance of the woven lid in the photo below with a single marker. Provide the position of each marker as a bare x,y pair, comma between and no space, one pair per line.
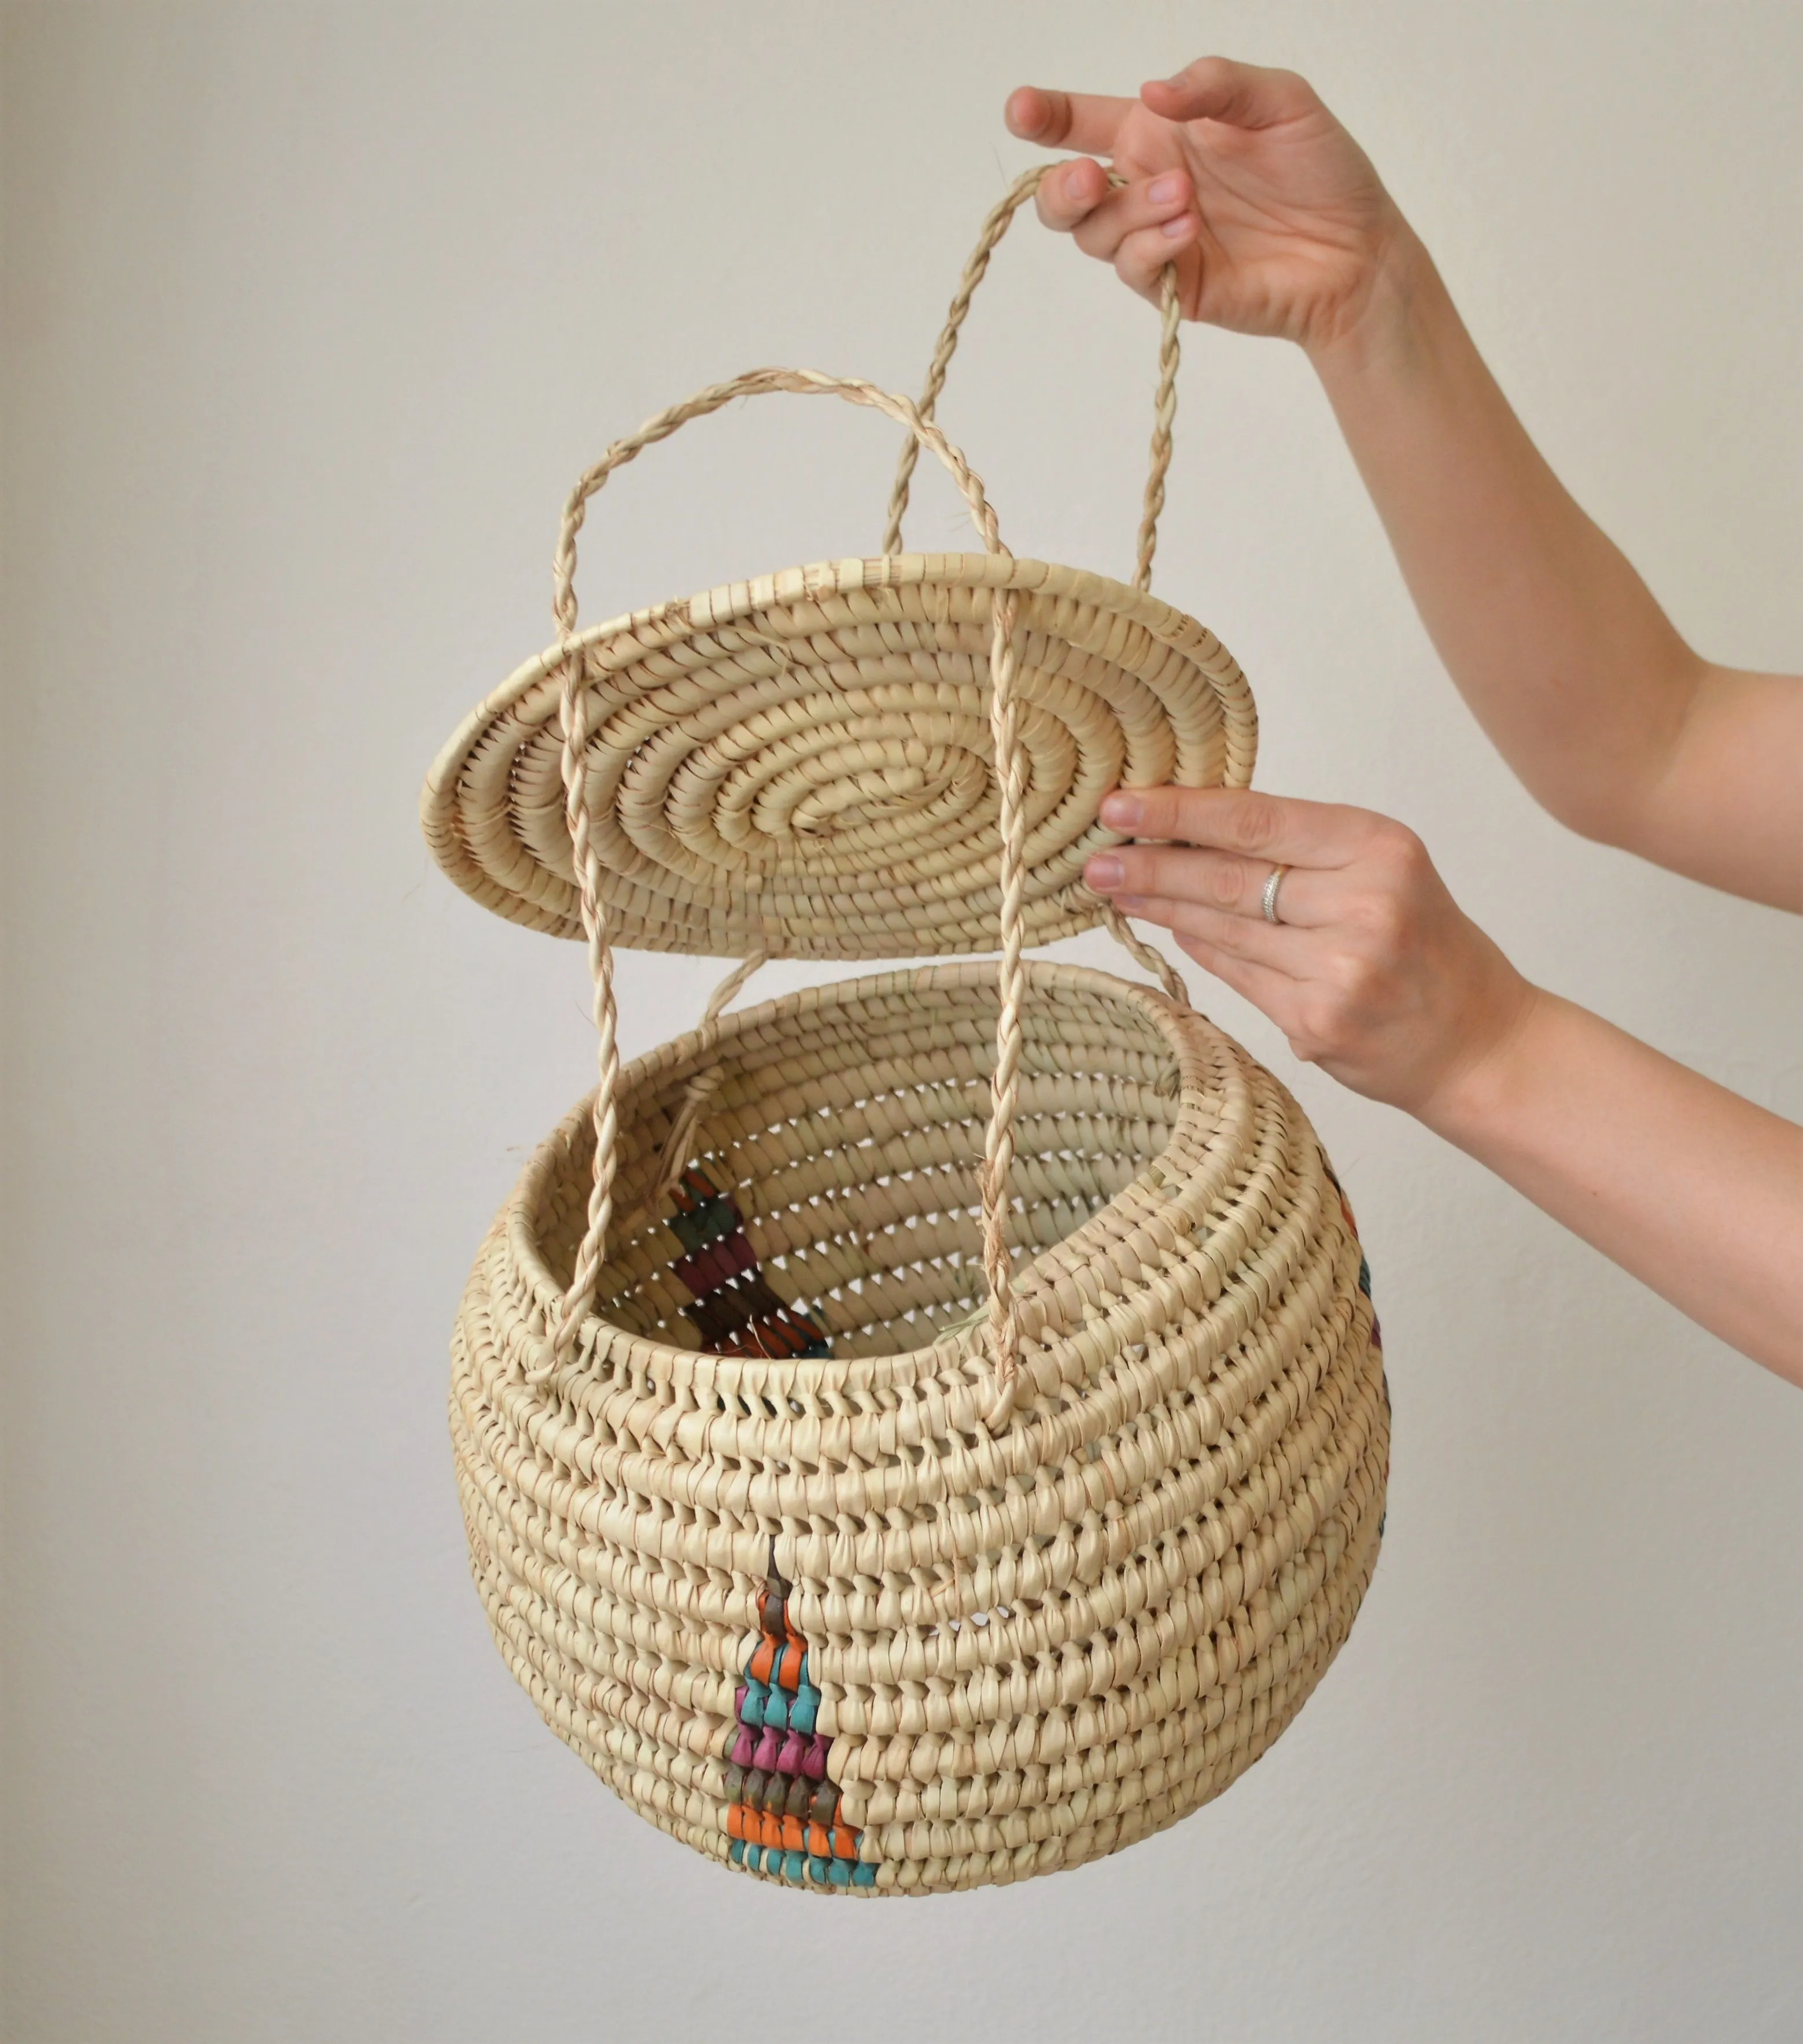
804,765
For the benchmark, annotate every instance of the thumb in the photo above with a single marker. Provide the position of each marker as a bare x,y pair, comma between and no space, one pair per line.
1238,94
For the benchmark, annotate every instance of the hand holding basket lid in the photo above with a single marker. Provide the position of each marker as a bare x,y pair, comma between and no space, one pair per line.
929,1430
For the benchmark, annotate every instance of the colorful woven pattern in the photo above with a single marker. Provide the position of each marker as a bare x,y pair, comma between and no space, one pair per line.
783,1818
734,1311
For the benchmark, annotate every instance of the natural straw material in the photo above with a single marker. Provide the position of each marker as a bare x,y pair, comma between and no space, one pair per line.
801,764
929,1430
1028,1649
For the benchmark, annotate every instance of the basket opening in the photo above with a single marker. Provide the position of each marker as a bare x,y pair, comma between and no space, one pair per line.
846,1139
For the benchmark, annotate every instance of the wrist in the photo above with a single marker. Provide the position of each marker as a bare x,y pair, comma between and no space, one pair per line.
1481,1095
1389,319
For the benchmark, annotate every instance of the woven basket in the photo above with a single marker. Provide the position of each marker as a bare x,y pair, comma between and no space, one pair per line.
930,1430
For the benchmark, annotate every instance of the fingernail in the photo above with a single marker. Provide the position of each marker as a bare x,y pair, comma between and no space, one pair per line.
1120,811
1172,229
1103,871
1161,191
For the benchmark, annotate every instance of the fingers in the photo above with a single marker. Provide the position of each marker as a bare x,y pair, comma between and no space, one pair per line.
1277,829
1237,95
1159,210
1267,990
1066,119
1069,192
1309,897
1139,228
1278,948
1140,260
1373,973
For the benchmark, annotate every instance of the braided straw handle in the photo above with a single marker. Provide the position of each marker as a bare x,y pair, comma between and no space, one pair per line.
1164,406
1011,778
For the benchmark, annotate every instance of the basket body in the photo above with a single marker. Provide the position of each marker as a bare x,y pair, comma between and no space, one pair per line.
802,1609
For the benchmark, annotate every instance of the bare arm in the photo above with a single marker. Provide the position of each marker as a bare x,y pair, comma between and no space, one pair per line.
1279,225
1695,1190
1609,719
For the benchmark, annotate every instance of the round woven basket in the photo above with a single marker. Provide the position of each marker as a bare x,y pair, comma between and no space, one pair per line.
1012,1653
930,1430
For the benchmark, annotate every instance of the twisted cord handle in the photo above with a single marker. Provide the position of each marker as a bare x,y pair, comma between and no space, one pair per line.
1155,961
1164,405
576,710
702,1088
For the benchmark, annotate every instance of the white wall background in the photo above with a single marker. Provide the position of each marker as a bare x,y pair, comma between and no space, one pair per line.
314,314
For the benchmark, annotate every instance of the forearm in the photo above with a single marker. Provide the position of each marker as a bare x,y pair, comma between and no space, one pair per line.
1695,1190
1554,640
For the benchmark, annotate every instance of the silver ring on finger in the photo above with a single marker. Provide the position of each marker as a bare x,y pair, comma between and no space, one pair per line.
1269,899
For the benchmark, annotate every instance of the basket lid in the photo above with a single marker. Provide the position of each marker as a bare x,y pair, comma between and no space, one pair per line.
802,764
805,764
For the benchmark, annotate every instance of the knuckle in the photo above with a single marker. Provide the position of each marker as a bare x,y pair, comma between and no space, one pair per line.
1412,854
1065,195
1399,850
1325,1025
1133,263
1314,1038
1256,822
1059,208
1379,917
1223,882
1358,980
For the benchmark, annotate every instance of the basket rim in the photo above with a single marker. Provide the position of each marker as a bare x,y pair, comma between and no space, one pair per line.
620,640
954,1361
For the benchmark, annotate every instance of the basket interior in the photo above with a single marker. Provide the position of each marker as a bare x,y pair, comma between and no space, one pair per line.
848,1132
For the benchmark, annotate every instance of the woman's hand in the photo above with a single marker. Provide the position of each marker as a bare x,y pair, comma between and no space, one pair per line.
1372,971
1276,221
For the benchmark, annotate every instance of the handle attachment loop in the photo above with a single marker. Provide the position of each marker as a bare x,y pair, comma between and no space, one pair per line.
701,1089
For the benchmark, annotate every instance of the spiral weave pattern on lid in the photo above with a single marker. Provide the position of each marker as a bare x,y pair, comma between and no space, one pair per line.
990,1657
802,764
